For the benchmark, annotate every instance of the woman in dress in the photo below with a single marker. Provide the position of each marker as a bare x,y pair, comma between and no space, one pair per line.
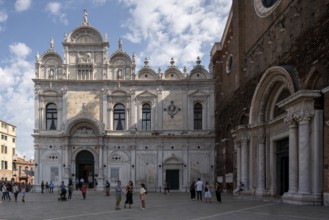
142,194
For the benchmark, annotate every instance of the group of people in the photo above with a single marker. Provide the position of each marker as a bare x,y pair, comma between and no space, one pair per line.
49,187
14,188
129,189
197,188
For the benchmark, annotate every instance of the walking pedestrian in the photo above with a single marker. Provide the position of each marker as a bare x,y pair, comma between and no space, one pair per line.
42,186
118,192
142,194
207,193
84,190
4,191
23,191
129,194
192,190
15,191
51,187
70,188
107,188
199,188
218,192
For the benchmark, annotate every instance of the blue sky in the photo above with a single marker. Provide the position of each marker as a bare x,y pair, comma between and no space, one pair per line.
156,29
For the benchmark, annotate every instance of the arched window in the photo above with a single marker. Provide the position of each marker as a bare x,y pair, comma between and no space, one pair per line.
51,117
119,117
197,116
146,117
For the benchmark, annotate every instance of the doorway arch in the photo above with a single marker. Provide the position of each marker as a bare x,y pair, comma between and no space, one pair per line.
85,167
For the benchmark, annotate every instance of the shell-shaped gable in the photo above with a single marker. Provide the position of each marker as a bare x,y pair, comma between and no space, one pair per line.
147,73
199,72
173,73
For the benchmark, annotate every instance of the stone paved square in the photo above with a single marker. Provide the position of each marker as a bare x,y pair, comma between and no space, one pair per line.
158,206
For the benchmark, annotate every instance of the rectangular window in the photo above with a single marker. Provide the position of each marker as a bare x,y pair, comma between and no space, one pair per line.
2,149
114,174
6,149
13,128
4,165
3,125
14,151
14,140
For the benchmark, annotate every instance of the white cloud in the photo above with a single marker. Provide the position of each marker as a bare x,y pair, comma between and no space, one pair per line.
3,16
17,98
183,29
22,5
99,2
55,10
20,50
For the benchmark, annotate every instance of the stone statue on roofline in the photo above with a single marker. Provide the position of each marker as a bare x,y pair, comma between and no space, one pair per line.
85,17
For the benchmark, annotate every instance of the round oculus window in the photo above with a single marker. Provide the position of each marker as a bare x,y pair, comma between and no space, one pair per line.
265,7
268,3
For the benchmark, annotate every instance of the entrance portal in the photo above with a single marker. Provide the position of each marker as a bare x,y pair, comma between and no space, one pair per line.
282,158
172,177
85,167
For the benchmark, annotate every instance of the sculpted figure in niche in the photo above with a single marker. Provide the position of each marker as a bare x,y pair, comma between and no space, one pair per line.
51,73
119,73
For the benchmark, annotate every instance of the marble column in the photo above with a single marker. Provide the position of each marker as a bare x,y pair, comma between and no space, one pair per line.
293,155
244,162
261,165
304,184
273,169
110,118
100,161
237,146
37,168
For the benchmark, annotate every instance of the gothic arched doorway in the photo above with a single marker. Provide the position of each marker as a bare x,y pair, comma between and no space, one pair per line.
85,168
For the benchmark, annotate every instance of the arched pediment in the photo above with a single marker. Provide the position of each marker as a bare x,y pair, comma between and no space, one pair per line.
51,58
51,156
173,160
118,157
83,125
120,59
85,35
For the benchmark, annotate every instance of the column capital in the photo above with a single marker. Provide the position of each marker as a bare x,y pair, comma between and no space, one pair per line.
304,116
290,120
237,143
244,140
261,139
